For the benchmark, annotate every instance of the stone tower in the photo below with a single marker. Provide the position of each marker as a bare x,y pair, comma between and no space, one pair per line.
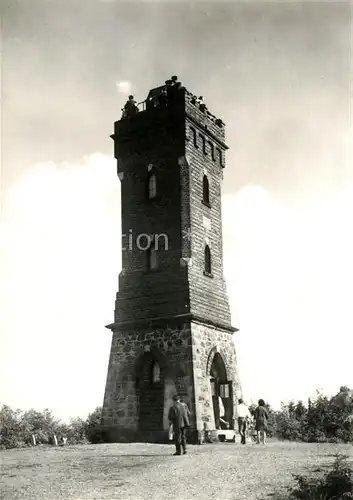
172,328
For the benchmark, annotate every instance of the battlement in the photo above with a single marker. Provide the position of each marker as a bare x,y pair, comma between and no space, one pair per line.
198,103
173,96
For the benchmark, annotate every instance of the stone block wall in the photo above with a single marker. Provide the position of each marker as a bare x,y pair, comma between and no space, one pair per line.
207,341
184,353
171,347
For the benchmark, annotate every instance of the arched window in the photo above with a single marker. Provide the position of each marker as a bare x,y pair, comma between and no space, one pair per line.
194,136
151,186
155,373
208,267
205,190
152,261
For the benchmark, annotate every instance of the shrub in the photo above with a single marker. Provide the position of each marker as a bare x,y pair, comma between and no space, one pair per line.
76,431
288,428
17,428
94,432
321,421
334,485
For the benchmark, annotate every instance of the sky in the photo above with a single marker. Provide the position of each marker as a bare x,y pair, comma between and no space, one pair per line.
279,75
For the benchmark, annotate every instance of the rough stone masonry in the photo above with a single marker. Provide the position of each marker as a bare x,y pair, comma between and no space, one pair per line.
172,328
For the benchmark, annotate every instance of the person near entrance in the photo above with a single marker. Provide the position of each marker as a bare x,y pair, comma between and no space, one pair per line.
244,418
222,414
182,402
261,418
179,417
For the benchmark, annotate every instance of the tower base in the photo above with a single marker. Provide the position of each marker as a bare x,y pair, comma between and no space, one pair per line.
148,366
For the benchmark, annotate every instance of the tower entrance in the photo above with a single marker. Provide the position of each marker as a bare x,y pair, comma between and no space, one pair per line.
222,394
150,392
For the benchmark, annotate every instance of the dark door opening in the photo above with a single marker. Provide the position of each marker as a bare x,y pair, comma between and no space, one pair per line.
222,394
151,392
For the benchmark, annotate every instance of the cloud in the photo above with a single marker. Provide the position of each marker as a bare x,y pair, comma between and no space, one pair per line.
290,277
124,87
62,254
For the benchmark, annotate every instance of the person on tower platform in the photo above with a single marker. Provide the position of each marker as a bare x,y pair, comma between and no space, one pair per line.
130,108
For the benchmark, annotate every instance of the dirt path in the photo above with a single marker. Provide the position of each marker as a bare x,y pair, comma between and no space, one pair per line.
149,471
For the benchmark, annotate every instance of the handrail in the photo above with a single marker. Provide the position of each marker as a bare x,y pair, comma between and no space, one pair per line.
143,105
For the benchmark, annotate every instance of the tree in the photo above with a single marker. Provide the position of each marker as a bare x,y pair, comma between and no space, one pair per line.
77,431
42,424
11,435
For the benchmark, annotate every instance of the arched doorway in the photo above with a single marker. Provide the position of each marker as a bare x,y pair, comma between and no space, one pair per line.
222,394
150,387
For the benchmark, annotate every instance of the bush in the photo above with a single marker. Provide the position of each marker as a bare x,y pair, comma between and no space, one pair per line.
288,429
336,484
17,428
321,421
76,431
93,426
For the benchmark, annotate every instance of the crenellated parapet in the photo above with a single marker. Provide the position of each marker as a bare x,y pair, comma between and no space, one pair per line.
198,103
170,107
174,94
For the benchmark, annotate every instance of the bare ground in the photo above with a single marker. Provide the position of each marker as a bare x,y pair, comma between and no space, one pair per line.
149,471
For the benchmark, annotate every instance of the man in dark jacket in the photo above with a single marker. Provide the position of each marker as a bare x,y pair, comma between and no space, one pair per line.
179,417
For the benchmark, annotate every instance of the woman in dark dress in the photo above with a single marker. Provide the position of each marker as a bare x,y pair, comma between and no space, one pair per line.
261,418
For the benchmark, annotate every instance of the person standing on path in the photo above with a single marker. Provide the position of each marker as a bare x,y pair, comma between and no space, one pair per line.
178,416
261,418
182,402
244,417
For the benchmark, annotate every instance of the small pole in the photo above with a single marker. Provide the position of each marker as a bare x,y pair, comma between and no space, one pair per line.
55,440
34,439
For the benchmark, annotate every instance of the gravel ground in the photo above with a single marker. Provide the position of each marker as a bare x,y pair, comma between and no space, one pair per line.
149,471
